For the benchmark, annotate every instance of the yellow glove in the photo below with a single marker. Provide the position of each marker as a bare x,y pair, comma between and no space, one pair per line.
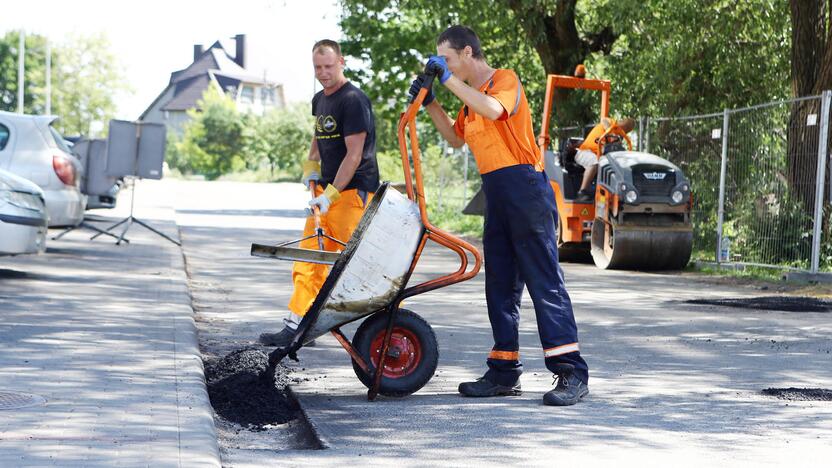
311,171
330,196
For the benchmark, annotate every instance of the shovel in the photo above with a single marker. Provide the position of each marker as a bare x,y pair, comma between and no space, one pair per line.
285,251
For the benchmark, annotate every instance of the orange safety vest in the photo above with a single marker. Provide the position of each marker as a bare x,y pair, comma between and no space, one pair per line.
507,141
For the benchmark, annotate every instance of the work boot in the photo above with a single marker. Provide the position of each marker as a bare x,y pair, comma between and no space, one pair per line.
569,390
483,387
585,196
281,339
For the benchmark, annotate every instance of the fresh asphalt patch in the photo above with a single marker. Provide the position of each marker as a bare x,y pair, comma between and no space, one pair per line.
239,395
780,303
799,394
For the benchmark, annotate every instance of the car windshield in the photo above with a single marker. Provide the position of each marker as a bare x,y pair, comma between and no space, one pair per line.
59,140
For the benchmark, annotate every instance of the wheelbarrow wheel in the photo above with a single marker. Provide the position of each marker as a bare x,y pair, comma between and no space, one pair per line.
411,357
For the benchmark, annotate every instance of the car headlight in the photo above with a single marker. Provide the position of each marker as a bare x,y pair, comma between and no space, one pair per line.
677,196
630,196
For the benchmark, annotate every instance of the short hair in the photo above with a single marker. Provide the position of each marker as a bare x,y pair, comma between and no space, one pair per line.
627,123
458,37
327,43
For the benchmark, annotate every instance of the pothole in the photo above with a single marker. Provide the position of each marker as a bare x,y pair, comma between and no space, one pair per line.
239,394
799,394
781,303
15,400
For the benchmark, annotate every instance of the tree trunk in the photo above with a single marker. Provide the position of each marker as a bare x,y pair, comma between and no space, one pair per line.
555,38
811,74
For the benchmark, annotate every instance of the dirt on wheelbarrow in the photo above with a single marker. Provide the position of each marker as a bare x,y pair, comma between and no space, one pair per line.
239,394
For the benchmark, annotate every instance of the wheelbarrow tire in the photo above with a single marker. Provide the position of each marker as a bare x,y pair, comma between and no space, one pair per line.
412,356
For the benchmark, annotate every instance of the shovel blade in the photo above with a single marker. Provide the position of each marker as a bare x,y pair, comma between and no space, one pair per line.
294,254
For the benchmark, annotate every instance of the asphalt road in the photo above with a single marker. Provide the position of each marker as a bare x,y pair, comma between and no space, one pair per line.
671,383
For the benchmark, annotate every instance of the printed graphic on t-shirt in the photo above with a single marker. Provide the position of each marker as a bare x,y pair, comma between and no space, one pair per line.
326,125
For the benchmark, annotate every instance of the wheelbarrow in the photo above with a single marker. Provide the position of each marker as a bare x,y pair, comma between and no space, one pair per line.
369,280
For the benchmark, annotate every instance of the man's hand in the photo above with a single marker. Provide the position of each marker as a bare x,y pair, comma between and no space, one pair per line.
311,171
324,200
438,64
416,86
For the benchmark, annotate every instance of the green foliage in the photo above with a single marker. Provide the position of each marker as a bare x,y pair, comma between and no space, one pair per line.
86,80
219,140
681,57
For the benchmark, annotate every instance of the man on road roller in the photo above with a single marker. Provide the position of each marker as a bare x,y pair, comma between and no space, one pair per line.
342,162
519,234
589,152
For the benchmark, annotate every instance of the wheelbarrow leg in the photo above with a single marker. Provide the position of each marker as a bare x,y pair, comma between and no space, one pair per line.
391,319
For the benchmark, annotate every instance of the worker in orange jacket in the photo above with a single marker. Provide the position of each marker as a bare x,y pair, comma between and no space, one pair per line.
519,233
590,151
342,160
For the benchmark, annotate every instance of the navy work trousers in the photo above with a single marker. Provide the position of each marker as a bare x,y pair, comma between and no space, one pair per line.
521,249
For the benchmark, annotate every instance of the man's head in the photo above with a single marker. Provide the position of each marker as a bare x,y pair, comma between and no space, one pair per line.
329,64
460,47
627,124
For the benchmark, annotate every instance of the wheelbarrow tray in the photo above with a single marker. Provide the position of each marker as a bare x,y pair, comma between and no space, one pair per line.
370,272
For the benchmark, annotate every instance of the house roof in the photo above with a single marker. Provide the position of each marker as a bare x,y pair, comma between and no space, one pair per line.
191,82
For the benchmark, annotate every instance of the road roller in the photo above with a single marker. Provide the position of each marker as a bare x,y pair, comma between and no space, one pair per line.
640,218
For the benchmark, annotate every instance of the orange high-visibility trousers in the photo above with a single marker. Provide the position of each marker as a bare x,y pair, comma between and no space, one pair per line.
339,222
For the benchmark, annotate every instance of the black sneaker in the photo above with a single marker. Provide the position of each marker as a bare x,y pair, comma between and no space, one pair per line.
585,197
482,387
281,339
569,390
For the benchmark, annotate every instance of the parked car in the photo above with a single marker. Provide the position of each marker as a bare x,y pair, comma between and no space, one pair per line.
32,148
23,218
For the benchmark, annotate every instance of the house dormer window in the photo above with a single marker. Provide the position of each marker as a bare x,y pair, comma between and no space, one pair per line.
247,95
267,96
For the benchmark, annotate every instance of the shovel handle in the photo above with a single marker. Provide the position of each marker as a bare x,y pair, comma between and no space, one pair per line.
316,213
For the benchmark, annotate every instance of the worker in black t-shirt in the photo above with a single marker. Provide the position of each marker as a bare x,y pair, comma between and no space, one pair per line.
343,162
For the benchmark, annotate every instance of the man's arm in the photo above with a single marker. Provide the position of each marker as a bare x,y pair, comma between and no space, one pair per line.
443,122
314,155
483,104
355,150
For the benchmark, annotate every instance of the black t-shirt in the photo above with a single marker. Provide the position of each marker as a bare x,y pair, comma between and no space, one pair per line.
346,112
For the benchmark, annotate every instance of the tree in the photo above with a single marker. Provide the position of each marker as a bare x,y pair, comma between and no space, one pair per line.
281,138
34,101
86,81
213,139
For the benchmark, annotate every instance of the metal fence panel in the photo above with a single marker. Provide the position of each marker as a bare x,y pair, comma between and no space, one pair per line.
695,145
770,183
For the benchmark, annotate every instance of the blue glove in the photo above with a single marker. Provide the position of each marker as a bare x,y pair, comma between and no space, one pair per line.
416,86
440,67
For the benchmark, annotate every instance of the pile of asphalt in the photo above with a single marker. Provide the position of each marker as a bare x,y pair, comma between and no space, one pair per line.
783,303
800,394
240,395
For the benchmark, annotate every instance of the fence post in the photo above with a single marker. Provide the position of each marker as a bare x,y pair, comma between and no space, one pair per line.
640,134
722,169
820,179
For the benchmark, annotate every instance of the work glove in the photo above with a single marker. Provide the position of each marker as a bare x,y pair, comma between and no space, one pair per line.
311,171
416,86
326,199
438,65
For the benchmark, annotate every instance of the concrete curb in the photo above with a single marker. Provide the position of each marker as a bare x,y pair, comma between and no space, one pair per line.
200,448
321,440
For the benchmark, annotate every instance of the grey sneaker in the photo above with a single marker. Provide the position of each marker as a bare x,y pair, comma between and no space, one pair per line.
281,339
569,390
483,387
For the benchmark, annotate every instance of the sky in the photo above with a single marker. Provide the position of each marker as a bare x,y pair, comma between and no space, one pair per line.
153,38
